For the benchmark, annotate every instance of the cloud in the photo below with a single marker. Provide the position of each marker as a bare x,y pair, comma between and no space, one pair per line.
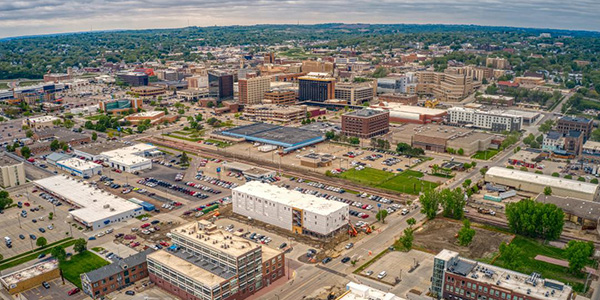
49,16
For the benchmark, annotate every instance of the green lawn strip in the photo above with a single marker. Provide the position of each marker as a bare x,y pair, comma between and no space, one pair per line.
182,137
93,118
485,155
32,256
79,264
35,250
143,216
175,149
219,144
371,261
527,263
98,249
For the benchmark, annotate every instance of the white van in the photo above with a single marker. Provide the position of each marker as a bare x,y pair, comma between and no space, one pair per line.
7,240
382,275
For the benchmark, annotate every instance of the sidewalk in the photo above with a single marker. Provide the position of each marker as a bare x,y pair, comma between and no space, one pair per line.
563,263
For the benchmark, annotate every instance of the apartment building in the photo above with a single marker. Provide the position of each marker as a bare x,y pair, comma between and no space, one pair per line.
494,120
566,124
252,90
12,172
316,87
115,276
366,123
276,113
455,278
356,93
206,263
497,63
290,210
445,87
280,96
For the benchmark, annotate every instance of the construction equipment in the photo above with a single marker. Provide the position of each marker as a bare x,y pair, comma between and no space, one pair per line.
352,230
431,103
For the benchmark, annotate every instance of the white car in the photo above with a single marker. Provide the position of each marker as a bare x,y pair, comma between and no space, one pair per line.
381,275
101,234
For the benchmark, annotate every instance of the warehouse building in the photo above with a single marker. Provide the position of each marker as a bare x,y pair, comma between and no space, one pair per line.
455,277
585,214
206,263
95,208
79,167
439,138
93,151
289,209
290,138
130,159
535,183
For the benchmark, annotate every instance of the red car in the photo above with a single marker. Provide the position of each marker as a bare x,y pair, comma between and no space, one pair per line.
145,225
134,244
30,159
26,204
73,292
365,216
164,244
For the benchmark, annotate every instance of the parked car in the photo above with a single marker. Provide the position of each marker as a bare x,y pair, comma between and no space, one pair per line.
345,259
326,260
73,292
45,285
130,293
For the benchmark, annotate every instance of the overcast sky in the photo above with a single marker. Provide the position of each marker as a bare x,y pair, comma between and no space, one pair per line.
30,17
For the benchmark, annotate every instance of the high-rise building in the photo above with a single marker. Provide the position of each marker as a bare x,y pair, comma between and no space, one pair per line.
252,90
280,96
366,123
316,87
12,172
220,85
445,86
269,58
455,277
497,63
134,78
355,93
207,263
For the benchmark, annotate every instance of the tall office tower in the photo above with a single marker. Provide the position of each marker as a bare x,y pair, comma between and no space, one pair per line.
220,85
252,90
316,87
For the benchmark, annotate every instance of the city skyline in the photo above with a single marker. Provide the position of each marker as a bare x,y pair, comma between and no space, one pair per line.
47,16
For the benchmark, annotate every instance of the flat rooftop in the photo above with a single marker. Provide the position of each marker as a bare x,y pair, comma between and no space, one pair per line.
30,272
273,134
397,107
180,262
130,155
78,164
42,119
206,233
539,179
355,291
94,204
99,147
291,198
582,208
365,113
508,279
147,114
6,160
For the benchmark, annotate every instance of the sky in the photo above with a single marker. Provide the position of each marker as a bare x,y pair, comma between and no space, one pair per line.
32,17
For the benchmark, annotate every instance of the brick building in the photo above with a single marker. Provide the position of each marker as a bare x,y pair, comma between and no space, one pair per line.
280,96
117,275
406,99
366,123
566,124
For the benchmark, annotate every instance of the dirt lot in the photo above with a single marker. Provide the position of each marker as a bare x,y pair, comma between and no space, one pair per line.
439,233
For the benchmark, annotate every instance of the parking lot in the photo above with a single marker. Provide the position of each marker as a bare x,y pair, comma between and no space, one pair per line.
398,265
19,228
56,291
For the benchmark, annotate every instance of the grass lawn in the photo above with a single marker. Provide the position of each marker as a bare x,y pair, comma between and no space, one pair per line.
79,264
406,182
25,257
3,85
527,264
485,155
94,117
219,144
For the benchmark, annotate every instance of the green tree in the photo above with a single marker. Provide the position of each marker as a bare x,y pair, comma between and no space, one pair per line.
453,203
94,136
430,202
467,183
407,239
184,159
354,140
411,222
534,219
568,176
41,242
466,233
80,245
54,145
546,126
483,171
381,215
330,135
547,191
29,133
5,200
510,255
555,174
461,151
25,152
50,215
581,178
578,253
594,181
59,253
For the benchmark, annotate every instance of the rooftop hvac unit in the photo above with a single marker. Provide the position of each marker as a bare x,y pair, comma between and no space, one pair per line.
106,206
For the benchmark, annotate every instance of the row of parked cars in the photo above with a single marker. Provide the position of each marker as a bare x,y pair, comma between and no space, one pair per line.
258,238
50,199
222,183
153,182
326,187
202,187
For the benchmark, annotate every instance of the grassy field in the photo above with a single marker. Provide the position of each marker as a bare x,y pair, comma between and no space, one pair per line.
485,155
406,182
94,117
527,263
81,263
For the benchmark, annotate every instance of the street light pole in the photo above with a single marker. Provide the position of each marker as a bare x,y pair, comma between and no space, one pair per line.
19,218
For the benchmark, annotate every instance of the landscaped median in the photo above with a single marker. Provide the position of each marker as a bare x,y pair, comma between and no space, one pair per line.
31,255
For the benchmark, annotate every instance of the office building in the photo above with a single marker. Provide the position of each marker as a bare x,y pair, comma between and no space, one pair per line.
455,277
197,82
497,63
280,96
275,113
535,183
130,159
366,123
206,263
566,124
269,58
316,87
252,90
12,172
220,85
121,105
79,167
404,84
147,91
446,87
133,78
494,120
310,66
355,93
290,210
116,276
94,208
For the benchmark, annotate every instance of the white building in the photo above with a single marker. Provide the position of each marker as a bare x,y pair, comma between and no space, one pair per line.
95,208
130,159
355,291
12,172
79,167
289,209
40,122
494,120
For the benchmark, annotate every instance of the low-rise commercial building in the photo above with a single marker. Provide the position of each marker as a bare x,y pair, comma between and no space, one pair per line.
366,123
147,91
95,208
440,138
116,276
155,117
356,93
93,151
130,159
412,114
276,113
120,106
79,167
494,120
535,183
585,214
12,172
206,263
455,277
406,99
316,160
356,291
498,100
30,277
40,122
290,210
